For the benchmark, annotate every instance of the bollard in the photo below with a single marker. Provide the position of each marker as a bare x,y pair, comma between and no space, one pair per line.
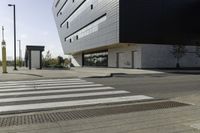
4,62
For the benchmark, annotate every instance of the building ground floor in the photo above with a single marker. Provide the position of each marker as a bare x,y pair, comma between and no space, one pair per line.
139,56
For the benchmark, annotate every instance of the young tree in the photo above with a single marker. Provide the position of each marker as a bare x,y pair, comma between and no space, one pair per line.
178,52
60,60
47,59
48,55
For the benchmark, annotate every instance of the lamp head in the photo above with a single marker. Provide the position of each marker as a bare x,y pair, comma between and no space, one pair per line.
10,5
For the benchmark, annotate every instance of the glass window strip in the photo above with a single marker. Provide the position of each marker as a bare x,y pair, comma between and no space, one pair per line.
99,58
91,28
63,7
58,1
81,8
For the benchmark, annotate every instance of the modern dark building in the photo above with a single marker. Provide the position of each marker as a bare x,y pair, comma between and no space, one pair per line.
129,33
33,57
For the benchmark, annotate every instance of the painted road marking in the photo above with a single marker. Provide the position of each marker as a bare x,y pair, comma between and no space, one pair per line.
37,85
55,91
62,96
58,87
35,106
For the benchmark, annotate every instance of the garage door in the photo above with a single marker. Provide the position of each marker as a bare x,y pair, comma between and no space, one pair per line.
124,60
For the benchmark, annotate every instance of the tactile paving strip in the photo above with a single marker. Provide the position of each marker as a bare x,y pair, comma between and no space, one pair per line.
80,114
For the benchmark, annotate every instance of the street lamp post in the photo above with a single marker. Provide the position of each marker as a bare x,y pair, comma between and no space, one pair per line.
14,17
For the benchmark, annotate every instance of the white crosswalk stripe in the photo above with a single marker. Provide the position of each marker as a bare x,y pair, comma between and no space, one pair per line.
58,87
40,82
62,96
55,91
73,103
39,85
59,93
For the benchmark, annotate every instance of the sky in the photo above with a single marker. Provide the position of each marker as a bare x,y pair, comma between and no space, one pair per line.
35,26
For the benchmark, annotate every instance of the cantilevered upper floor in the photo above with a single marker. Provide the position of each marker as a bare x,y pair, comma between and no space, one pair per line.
86,24
91,24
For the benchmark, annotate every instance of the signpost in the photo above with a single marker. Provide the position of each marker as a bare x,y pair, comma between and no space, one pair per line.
4,62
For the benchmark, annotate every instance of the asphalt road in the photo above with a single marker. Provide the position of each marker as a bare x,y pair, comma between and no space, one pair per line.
165,86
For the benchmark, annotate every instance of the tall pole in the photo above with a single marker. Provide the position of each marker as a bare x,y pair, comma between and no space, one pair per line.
14,17
15,67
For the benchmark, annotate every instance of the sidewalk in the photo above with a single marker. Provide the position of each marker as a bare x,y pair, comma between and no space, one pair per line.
26,74
85,72
112,71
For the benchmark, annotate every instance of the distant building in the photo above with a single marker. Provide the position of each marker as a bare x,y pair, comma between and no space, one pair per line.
33,57
128,33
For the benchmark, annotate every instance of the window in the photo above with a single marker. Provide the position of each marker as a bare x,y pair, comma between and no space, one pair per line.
91,7
67,25
76,37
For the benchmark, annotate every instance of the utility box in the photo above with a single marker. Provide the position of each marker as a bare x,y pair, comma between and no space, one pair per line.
33,57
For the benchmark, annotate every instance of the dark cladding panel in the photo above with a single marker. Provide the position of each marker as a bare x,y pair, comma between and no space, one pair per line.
160,21
181,19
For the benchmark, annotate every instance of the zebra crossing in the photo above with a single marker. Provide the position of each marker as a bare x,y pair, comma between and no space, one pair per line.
34,95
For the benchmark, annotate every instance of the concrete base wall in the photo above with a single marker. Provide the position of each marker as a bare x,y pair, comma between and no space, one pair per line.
157,56
160,56
145,56
77,60
190,59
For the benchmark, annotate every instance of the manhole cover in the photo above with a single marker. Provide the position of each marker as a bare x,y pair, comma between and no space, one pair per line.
87,113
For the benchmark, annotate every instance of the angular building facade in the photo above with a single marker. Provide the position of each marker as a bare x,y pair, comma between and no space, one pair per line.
129,33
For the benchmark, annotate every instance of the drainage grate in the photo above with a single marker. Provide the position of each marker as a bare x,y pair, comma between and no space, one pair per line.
80,114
